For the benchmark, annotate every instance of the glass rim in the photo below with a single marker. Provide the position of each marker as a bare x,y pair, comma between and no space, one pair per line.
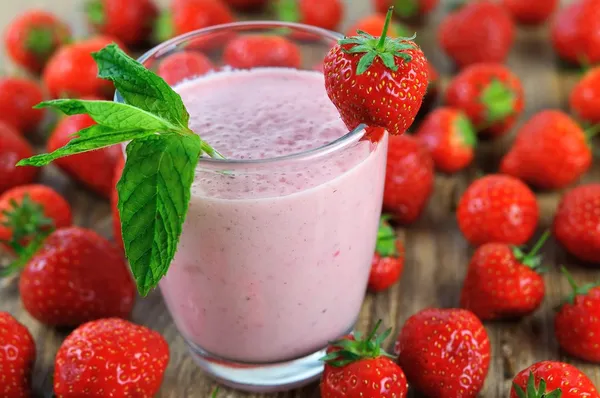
336,145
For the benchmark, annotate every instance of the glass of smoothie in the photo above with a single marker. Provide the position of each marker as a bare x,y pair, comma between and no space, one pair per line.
276,249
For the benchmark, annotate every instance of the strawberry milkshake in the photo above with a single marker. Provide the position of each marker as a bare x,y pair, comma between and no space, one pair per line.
277,245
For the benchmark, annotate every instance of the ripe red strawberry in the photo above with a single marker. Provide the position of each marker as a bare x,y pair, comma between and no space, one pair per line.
326,14
585,97
380,82
114,204
438,362
131,22
110,358
388,260
95,168
409,178
182,65
574,32
246,5
373,24
17,358
534,12
480,31
550,152
32,37
407,9
27,209
72,72
498,208
188,15
577,322
449,136
577,222
13,148
503,282
17,98
76,276
357,368
250,51
551,379
491,96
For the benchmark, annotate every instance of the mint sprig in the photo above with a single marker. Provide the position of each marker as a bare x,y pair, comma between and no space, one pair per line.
162,155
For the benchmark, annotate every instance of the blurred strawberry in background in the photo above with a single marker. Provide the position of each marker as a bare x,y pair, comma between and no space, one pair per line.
531,12
247,5
32,37
17,99
253,51
13,148
585,97
575,33
373,25
182,65
326,14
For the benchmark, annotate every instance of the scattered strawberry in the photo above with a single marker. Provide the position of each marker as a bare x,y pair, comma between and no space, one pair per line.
187,16
491,96
550,152
131,22
250,51
75,276
551,379
27,209
356,368
32,37
407,9
17,98
13,148
432,91
114,203
94,168
480,31
373,24
585,97
246,5
577,323
110,358
574,32
182,65
498,208
577,222
532,12
326,14
380,82
17,358
409,178
72,72
388,260
445,353
503,282
450,138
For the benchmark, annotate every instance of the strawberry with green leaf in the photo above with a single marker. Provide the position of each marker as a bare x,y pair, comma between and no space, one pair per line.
162,154
377,81
490,95
552,379
388,260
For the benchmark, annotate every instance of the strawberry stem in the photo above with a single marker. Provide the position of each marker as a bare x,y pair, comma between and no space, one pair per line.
539,244
592,131
577,290
386,26
532,259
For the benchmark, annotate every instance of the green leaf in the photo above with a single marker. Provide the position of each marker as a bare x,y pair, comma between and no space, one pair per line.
116,115
94,10
139,86
386,239
93,137
288,10
519,391
365,62
154,194
25,254
389,61
163,27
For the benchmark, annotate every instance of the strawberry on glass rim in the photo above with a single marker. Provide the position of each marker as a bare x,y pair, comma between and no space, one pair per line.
377,81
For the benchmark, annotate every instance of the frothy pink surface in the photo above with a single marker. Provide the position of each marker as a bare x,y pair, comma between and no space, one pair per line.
274,258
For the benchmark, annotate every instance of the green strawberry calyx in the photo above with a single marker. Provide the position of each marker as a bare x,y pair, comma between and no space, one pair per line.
386,239
29,227
350,351
532,259
465,131
536,392
94,10
577,290
499,101
163,27
288,10
407,8
592,131
40,41
385,48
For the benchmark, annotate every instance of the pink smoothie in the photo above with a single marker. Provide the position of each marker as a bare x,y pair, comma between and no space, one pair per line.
274,257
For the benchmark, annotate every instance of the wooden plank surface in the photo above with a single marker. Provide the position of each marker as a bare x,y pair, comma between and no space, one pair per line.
436,253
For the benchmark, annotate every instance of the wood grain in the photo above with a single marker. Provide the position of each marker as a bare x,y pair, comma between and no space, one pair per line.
436,254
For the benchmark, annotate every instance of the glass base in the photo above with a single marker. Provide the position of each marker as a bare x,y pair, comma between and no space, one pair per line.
261,378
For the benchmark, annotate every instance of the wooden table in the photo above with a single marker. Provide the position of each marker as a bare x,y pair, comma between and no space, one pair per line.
436,253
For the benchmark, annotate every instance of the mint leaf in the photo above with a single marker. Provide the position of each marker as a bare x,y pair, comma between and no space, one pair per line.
139,86
112,114
154,194
93,137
